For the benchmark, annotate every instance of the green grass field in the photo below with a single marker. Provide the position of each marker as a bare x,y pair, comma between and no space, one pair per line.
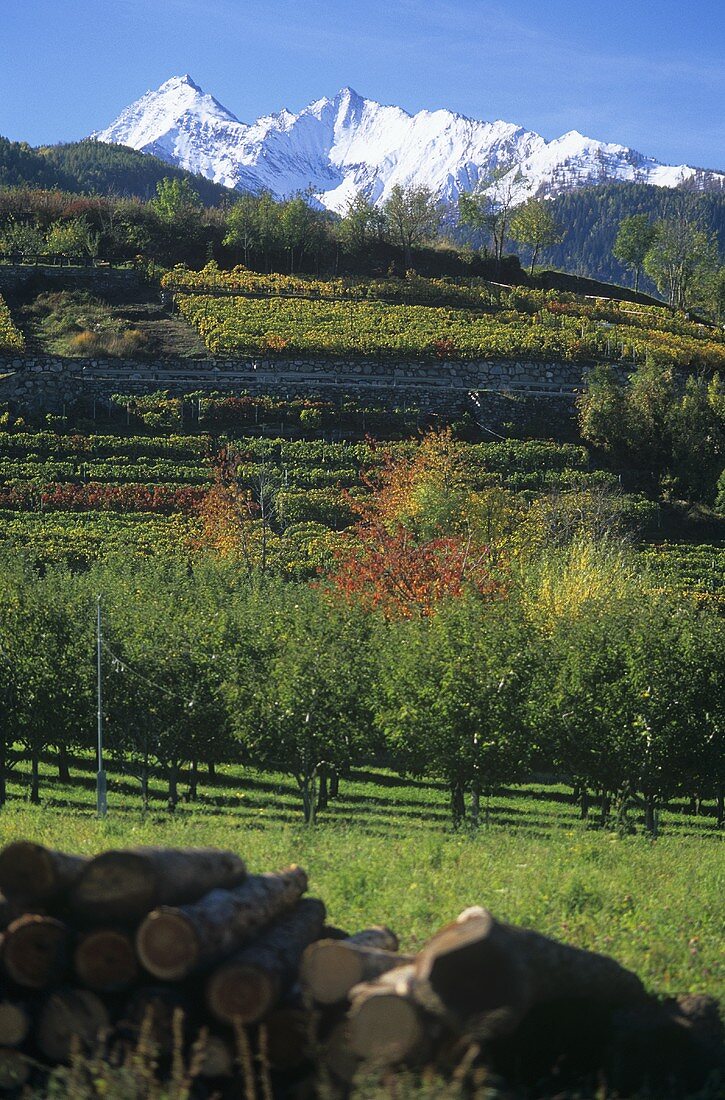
385,852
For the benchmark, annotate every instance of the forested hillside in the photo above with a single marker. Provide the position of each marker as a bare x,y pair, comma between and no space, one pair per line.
91,167
591,218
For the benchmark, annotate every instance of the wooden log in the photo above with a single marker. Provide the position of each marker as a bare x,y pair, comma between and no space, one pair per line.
123,886
14,1024
386,1025
482,976
14,1070
36,951
35,876
330,968
337,1055
105,960
8,912
152,1008
217,1057
247,987
289,1037
174,942
66,1015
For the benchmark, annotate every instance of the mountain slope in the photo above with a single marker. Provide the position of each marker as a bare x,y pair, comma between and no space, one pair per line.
337,147
93,167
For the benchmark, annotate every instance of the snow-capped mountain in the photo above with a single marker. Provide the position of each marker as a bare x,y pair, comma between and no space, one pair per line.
337,147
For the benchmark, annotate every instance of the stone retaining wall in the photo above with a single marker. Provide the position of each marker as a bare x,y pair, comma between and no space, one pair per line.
17,276
498,393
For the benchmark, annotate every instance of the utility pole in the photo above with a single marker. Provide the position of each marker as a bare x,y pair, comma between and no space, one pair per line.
101,801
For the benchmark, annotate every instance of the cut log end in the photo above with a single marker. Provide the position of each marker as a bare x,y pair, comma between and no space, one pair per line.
329,970
14,1024
35,951
386,1029
27,871
241,993
168,945
106,961
67,1015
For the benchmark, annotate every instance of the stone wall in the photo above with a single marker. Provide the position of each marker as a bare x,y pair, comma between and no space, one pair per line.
498,394
18,276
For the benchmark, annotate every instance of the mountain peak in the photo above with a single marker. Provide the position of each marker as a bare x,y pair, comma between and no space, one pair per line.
177,81
347,144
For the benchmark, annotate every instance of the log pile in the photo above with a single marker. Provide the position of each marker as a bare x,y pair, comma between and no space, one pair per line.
185,953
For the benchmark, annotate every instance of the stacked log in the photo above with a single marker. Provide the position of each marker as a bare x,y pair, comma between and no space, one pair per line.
186,955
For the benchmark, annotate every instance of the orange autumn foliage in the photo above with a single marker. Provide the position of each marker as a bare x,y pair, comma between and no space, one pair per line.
412,545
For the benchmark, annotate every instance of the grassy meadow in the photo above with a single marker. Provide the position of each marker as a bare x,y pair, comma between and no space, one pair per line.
384,852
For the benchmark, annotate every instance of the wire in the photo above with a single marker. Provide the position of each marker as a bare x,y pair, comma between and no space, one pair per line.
151,683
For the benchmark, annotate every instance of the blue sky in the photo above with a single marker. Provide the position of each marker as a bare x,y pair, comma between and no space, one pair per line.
648,73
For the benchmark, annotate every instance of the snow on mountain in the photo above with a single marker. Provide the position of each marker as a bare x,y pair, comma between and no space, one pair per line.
337,147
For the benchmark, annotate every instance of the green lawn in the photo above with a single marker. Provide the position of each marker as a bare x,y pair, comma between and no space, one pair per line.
385,852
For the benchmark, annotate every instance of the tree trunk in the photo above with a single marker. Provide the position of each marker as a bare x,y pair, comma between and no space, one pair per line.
720,805
123,886
247,987
322,791
31,875
458,804
63,764
194,781
650,815
69,1015
334,783
584,803
34,777
36,951
482,977
475,802
3,769
211,771
331,968
606,807
105,961
174,942
173,787
145,786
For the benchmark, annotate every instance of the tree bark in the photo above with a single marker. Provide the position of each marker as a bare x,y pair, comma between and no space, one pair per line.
63,764
124,885
36,951
68,1015
174,942
481,977
246,988
35,777
334,783
322,791
105,960
194,781
458,804
31,875
173,787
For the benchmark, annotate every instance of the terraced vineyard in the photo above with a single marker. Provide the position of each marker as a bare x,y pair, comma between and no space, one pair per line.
11,338
241,312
